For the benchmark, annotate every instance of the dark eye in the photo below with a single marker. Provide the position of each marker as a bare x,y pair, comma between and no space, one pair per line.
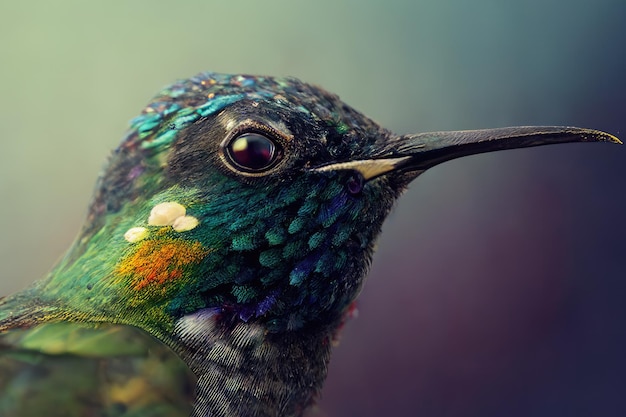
252,152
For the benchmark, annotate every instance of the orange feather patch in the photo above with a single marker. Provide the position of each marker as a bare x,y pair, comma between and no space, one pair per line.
160,261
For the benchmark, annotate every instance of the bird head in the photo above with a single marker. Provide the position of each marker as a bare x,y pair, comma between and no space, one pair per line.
256,198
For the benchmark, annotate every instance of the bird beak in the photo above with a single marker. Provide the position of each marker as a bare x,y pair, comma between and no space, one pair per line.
416,153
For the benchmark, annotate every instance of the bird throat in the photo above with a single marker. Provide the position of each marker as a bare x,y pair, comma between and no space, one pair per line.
244,370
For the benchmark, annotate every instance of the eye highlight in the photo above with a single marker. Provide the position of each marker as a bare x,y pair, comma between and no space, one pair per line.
252,152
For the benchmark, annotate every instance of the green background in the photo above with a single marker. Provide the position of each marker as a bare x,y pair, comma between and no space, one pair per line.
499,284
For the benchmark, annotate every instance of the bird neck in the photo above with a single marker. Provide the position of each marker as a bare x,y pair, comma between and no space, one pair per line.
243,370
122,269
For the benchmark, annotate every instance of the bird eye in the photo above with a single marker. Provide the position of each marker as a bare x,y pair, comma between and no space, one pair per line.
252,152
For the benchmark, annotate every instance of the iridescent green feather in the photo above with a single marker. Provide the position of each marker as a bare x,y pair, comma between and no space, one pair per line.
81,370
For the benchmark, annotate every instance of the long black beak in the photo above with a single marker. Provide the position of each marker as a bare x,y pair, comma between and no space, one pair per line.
418,152
429,149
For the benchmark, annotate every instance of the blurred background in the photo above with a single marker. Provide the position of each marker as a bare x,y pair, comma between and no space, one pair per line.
499,286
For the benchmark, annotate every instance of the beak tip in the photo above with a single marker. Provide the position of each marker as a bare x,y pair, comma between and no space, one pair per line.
600,136
615,139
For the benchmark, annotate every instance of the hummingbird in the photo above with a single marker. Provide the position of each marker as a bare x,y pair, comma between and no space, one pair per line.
226,242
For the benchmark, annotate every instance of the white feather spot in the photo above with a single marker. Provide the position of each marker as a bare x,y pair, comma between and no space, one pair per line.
136,234
185,223
164,214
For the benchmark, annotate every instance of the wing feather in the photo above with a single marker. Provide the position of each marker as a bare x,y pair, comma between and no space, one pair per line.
91,370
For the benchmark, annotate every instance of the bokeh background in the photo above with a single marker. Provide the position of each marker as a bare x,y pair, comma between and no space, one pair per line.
499,287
